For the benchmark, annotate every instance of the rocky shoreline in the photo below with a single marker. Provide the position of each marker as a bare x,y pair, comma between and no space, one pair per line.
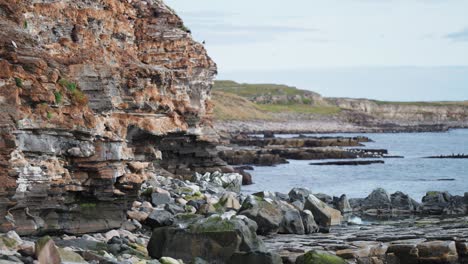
208,220
108,153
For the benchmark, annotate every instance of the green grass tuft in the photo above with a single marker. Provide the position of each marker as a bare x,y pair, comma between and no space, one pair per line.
19,82
25,24
71,86
58,97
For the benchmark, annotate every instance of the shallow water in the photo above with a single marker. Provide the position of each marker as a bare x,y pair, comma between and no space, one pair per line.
413,174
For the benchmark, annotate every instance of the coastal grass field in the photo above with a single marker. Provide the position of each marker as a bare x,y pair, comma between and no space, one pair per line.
237,101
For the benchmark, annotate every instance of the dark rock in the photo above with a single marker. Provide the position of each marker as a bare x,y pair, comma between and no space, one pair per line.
348,163
310,226
292,221
434,203
324,198
174,208
159,218
211,238
196,203
342,204
267,215
299,194
403,202
378,199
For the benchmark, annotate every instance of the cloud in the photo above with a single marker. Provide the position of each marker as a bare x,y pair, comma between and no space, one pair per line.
222,32
459,36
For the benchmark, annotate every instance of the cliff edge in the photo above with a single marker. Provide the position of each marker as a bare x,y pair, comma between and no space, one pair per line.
96,96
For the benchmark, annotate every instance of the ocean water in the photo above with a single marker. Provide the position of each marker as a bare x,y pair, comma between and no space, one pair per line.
413,175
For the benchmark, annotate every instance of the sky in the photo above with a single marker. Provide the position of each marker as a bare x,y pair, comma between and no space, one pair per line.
398,50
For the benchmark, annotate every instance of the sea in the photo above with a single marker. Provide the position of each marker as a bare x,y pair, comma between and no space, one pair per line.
414,174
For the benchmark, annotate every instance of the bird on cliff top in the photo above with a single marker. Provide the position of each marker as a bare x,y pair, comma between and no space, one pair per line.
14,44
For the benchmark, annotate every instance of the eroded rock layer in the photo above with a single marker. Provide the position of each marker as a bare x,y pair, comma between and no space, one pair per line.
90,94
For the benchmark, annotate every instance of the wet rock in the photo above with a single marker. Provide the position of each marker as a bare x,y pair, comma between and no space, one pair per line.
324,215
212,238
316,257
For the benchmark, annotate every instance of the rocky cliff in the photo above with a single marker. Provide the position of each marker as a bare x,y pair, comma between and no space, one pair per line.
95,97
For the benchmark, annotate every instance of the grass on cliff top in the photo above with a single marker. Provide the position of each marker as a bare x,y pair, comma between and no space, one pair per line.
229,106
232,107
251,90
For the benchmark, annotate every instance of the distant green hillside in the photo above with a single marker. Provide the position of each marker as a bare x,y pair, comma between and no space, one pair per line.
236,101
250,90
241,101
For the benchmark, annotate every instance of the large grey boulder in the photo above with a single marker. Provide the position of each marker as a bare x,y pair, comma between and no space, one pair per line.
292,221
434,203
324,215
159,218
299,194
402,202
266,213
378,199
308,221
213,238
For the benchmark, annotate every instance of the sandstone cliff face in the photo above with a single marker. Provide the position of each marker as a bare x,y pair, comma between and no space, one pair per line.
92,95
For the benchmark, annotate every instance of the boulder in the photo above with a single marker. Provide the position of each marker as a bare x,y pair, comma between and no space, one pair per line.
437,252
378,199
159,218
160,198
325,198
299,194
342,204
434,203
229,201
229,181
308,221
402,202
48,252
211,238
324,215
266,214
316,257
403,253
292,221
